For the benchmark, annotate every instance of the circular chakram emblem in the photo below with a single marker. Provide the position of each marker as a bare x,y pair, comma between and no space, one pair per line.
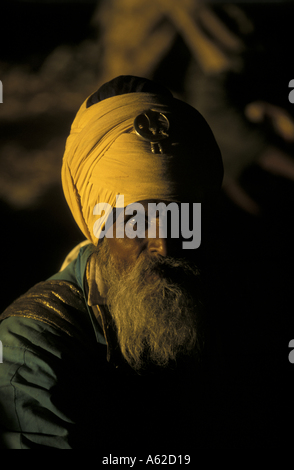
151,126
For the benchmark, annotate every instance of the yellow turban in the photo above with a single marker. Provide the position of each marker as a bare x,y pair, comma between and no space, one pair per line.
104,157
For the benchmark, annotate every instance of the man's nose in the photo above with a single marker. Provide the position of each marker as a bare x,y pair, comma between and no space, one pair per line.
157,246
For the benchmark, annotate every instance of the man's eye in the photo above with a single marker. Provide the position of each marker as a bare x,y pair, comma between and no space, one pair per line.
132,221
138,223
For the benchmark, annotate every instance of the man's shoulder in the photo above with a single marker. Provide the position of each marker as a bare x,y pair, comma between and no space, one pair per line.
56,303
47,353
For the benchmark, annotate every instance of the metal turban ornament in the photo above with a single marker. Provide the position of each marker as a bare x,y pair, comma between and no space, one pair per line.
152,126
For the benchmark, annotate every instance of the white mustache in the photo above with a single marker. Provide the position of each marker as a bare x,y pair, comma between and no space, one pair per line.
173,270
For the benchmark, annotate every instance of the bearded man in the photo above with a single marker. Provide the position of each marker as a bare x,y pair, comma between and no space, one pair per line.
108,351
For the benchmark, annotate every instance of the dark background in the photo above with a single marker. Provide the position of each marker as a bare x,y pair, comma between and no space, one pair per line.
250,257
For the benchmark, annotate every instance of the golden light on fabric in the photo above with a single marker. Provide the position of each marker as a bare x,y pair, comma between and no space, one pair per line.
104,157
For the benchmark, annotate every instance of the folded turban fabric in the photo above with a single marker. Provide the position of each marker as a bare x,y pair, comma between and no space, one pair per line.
104,157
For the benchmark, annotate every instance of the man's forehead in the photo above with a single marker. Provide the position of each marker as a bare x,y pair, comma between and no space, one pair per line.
145,203
147,206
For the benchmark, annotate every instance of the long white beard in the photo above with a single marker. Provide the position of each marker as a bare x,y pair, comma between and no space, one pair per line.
156,307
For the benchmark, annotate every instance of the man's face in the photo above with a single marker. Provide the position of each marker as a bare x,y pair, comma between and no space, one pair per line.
126,251
153,295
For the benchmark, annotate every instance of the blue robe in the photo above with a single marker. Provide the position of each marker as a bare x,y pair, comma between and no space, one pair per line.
61,388
64,383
